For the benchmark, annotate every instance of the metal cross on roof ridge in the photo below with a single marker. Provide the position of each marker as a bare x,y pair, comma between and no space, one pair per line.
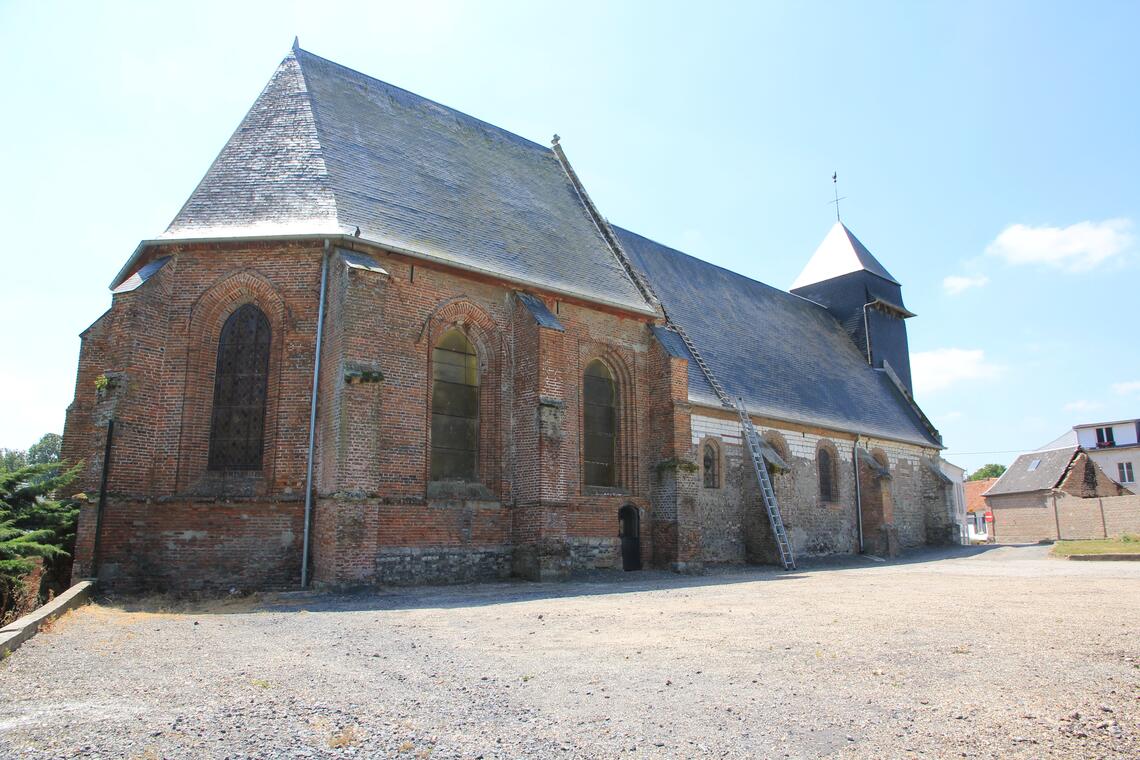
835,182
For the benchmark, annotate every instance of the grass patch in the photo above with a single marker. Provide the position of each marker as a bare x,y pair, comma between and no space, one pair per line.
1125,544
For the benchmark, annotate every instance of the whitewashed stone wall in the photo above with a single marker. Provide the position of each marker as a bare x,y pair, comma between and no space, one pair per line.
735,527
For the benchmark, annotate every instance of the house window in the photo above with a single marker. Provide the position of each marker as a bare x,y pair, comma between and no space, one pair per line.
711,465
454,408
599,424
828,490
1125,471
241,382
1104,437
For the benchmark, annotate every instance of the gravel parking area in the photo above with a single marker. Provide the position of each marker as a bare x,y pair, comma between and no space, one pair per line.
995,653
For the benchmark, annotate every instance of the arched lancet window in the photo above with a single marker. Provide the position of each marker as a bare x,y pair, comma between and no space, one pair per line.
599,424
828,487
711,465
454,408
241,383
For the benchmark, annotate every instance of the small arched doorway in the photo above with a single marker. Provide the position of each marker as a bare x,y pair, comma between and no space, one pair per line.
629,530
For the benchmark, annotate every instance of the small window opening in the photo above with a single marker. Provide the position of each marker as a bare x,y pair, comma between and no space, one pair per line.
826,465
1125,471
711,466
1034,464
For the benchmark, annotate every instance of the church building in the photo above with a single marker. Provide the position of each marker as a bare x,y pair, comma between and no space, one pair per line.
386,342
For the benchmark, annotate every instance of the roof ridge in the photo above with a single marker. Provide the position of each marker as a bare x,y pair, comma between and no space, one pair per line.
277,81
515,137
732,272
316,128
605,229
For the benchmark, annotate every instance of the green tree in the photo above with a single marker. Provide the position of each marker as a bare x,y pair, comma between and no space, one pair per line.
46,449
12,459
988,471
34,522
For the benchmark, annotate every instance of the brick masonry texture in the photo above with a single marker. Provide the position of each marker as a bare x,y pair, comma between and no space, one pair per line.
1085,504
171,523
1028,518
907,510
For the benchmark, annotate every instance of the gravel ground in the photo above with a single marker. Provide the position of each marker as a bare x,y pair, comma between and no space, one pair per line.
998,653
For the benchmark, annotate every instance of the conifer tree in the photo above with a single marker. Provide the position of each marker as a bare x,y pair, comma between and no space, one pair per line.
34,522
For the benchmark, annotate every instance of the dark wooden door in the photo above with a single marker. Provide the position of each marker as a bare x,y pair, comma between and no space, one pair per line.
629,529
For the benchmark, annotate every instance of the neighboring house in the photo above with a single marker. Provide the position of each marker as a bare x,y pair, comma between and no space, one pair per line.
956,499
1049,495
386,342
1112,445
976,510
1115,446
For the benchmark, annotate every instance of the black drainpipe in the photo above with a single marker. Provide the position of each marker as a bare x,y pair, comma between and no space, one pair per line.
102,498
858,494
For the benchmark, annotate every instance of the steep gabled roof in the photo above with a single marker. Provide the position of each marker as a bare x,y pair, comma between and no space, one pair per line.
326,149
786,356
840,253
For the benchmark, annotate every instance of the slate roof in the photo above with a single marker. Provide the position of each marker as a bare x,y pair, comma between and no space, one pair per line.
786,356
542,315
1051,466
148,270
326,149
840,253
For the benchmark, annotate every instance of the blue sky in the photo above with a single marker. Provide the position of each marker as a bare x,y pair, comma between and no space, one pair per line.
995,144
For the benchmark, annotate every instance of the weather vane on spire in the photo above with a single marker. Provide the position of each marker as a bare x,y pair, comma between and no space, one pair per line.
835,183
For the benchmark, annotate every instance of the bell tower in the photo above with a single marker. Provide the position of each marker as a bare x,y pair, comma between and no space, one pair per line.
848,281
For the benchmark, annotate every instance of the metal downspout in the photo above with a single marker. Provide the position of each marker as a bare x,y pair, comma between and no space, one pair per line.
313,418
858,494
867,333
102,505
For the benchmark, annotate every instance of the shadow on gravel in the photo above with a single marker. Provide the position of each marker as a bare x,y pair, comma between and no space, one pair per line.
591,583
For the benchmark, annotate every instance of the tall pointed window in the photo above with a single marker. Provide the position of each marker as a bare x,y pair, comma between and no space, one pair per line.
711,465
241,382
828,487
454,408
599,425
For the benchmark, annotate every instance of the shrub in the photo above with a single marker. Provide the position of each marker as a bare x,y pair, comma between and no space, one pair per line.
34,523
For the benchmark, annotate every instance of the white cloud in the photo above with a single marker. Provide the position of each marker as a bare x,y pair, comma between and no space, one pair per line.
1082,405
956,283
944,368
1126,389
1078,247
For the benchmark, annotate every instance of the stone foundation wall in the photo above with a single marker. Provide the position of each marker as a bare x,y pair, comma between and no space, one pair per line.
441,564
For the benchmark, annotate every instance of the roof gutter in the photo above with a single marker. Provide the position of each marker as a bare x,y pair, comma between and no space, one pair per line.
351,240
836,428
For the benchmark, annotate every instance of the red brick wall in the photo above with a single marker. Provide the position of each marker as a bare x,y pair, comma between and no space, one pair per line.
376,515
187,545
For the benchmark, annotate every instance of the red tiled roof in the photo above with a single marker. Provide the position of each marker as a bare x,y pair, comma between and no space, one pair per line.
974,491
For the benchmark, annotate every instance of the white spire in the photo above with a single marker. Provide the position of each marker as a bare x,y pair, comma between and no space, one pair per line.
840,253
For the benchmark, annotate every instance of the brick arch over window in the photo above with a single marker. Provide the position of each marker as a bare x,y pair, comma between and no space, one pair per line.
486,338
827,471
208,316
625,405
